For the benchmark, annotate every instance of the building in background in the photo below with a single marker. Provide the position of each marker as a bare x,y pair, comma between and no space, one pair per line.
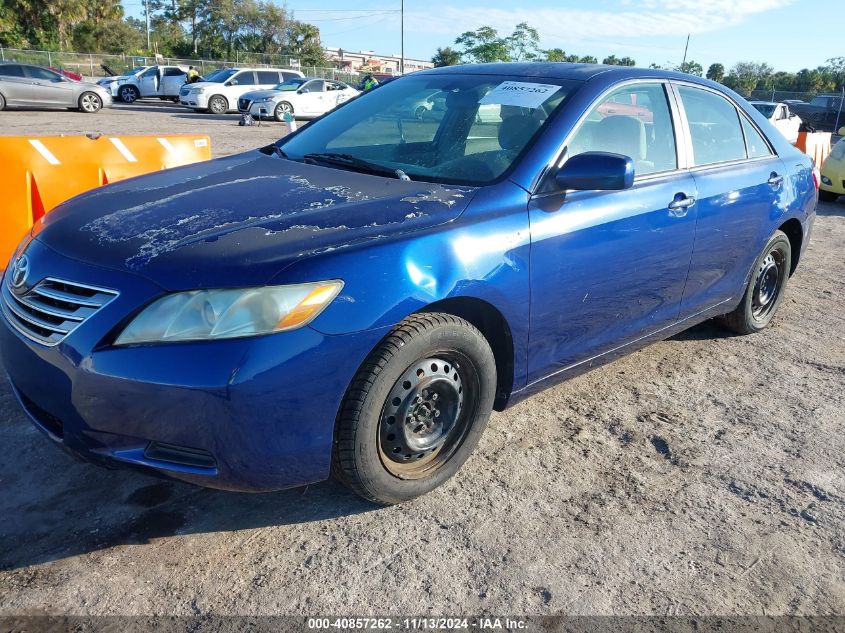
370,62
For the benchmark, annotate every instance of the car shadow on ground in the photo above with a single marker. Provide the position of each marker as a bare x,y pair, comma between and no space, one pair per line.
55,506
708,330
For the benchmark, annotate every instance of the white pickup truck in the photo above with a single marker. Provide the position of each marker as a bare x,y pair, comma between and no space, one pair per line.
162,82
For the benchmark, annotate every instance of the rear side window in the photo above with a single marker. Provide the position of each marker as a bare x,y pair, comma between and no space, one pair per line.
173,72
633,121
268,77
42,73
286,75
756,144
11,70
714,127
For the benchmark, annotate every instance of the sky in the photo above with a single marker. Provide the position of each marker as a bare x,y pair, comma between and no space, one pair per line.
787,34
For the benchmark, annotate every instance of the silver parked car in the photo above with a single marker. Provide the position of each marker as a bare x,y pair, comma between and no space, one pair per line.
24,85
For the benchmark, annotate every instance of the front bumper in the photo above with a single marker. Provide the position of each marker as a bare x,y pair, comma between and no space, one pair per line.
259,412
194,100
833,180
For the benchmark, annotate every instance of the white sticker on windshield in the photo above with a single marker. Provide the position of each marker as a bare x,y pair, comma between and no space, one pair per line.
519,93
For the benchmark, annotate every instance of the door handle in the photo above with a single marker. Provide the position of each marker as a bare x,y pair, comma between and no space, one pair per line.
680,204
775,179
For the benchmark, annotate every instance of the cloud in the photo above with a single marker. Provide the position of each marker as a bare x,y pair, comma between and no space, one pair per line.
633,19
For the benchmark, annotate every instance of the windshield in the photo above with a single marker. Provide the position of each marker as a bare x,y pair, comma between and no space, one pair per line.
767,109
291,84
219,76
473,136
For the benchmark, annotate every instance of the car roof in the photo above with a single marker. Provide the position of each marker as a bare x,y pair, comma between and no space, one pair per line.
765,102
566,70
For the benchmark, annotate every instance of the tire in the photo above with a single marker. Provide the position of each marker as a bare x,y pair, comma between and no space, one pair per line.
824,196
419,113
128,94
765,289
280,109
434,371
2,103
90,103
218,105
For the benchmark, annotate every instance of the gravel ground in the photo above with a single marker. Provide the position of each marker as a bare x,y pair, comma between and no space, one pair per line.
702,475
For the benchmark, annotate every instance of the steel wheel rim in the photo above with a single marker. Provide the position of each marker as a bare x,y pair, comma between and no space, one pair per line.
90,103
425,418
770,275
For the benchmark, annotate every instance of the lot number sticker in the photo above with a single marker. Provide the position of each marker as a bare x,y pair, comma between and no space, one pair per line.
519,93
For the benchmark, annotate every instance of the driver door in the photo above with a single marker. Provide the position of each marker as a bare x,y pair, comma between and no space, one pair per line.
49,88
609,267
148,82
312,97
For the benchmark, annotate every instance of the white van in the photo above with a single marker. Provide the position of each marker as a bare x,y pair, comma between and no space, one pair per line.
218,93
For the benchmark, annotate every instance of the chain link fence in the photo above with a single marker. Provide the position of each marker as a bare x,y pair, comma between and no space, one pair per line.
96,65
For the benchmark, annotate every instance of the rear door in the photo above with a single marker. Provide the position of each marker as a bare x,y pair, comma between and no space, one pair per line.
739,180
15,86
50,89
173,80
609,267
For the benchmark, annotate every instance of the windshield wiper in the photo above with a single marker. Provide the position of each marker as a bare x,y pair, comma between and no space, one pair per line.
353,162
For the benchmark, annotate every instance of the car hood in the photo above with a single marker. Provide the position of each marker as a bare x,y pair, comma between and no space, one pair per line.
239,220
204,84
255,95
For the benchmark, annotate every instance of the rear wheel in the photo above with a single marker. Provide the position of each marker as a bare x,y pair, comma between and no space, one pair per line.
827,196
281,109
128,94
416,409
218,105
90,102
765,289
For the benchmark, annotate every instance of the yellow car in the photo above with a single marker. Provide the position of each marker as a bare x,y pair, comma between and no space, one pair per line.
833,172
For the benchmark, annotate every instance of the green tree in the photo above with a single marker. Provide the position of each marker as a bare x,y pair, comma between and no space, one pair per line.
446,57
483,45
524,43
691,68
716,72
627,61
555,55
304,43
588,59
611,60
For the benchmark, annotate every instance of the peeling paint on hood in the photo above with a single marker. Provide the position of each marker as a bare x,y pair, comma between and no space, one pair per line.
241,219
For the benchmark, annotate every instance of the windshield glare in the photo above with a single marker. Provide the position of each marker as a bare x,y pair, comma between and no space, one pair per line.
219,76
451,139
766,109
291,84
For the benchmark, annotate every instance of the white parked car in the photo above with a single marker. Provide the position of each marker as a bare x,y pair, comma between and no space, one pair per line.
301,97
781,117
219,92
161,82
110,83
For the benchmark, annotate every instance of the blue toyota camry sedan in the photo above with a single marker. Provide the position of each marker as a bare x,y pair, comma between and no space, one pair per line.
356,298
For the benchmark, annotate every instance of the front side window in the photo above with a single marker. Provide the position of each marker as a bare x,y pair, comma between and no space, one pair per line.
42,73
313,86
484,125
221,76
714,127
150,72
634,121
246,78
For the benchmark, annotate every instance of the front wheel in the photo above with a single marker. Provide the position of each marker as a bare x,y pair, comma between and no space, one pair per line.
827,196
218,105
128,94
765,288
281,109
416,409
90,102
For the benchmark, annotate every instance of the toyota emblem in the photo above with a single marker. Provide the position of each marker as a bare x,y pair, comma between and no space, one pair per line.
20,271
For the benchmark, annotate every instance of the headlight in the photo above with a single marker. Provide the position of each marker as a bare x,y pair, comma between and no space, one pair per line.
221,314
198,91
265,100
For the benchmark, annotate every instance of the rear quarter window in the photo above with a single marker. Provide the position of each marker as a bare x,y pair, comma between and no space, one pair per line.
714,127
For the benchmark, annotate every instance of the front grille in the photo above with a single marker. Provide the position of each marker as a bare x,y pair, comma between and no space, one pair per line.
243,104
54,308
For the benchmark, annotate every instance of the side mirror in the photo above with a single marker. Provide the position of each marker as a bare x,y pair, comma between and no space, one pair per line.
300,91
596,171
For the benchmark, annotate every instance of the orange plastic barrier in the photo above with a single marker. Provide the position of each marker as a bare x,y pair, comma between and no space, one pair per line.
39,173
815,144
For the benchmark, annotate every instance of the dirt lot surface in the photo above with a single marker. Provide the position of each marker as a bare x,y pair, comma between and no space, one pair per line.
703,475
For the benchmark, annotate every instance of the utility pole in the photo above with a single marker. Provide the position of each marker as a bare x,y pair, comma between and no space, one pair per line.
147,14
686,48
402,38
